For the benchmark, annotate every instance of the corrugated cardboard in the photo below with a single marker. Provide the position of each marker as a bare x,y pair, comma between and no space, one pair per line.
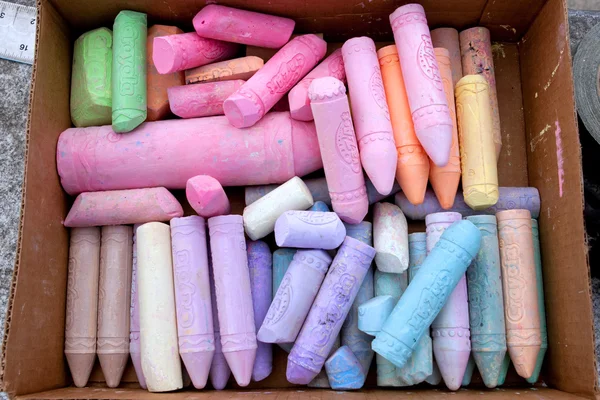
541,149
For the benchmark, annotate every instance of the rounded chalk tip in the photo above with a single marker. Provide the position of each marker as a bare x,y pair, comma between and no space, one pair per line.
193,221
219,378
442,217
386,51
465,235
351,212
325,89
417,237
358,45
471,80
300,109
297,374
261,371
482,219
435,136
225,219
407,9
513,214
242,112
164,55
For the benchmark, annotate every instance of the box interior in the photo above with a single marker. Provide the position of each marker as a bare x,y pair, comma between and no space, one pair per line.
540,148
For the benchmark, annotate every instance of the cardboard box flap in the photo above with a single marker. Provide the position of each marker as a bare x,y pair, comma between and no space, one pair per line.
554,162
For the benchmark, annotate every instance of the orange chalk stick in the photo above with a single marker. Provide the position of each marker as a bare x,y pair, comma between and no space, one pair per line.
413,164
445,180
158,101
238,68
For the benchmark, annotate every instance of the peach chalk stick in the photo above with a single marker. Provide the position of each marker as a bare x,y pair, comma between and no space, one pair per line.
298,96
82,303
479,165
413,164
234,295
114,298
158,323
188,50
477,58
239,68
339,150
428,104
521,311
241,26
266,53
119,207
259,94
158,101
273,151
206,196
370,113
202,100
445,180
134,319
260,216
447,38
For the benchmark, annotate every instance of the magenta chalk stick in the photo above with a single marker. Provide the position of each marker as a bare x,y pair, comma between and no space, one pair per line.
273,151
201,99
219,370
269,84
370,113
260,265
298,96
183,51
329,310
121,207
192,297
339,150
206,196
428,104
309,230
234,296
241,26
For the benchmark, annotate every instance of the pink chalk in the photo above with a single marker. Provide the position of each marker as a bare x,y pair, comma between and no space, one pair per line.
206,196
339,150
201,99
192,297
260,93
134,320
428,104
234,297
298,96
370,113
219,370
245,27
183,51
273,151
122,207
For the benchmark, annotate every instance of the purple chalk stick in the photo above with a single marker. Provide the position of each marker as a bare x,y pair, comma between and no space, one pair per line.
260,265
309,230
294,297
329,310
219,369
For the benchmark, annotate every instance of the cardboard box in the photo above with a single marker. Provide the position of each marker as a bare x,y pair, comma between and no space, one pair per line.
541,149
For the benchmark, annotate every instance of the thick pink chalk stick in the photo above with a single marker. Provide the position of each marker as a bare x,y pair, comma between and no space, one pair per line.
370,113
298,96
234,296
122,207
260,93
339,150
245,27
273,151
183,51
206,196
428,104
202,99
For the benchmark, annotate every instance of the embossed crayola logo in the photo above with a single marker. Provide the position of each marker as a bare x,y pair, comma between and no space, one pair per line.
376,85
129,77
288,73
346,142
427,62
336,67
185,288
431,300
516,284
211,49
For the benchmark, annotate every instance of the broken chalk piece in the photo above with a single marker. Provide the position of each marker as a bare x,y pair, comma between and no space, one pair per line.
309,230
390,238
119,207
201,100
91,77
344,370
229,70
206,196
373,313
318,205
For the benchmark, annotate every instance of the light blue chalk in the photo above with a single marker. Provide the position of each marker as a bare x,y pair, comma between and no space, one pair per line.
466,381
436,376
420,364
373,313
321,381
486,303
539,279
319,206
359,342
391,285
281,261
428,292
344,370
504,369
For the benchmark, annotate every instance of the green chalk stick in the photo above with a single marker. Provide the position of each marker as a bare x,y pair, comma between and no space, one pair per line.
91,94
129,71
